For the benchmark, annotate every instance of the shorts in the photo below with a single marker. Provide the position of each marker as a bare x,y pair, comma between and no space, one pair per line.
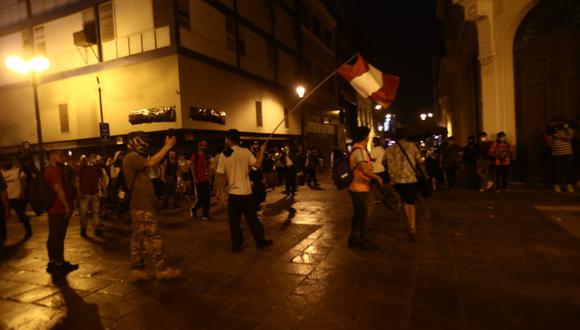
408,192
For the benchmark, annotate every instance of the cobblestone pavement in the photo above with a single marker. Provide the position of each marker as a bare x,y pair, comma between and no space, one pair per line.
483,261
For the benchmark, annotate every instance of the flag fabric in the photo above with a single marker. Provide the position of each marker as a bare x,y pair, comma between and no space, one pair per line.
370,82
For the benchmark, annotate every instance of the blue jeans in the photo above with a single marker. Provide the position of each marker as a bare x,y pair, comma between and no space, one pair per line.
93,203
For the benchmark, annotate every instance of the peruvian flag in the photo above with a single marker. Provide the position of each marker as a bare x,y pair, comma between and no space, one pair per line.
370,82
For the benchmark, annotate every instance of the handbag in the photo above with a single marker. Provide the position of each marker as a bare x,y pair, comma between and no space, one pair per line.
423,180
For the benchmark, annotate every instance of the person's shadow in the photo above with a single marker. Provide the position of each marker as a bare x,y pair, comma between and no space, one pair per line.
280,206
79,315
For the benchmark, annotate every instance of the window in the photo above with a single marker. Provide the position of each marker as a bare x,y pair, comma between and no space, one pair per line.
286,119
107,21
39,41
28,42
63,114
241,43
183,18
317,28
230,33
327,38
160,13
259,119
270,51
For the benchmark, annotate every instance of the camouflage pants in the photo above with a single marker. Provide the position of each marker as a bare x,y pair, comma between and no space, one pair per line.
146,240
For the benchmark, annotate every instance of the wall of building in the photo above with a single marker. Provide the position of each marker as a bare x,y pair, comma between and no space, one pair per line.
142,85
222,90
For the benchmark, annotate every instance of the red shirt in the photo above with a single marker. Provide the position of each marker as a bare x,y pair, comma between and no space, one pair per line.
89,179
201,165
53,176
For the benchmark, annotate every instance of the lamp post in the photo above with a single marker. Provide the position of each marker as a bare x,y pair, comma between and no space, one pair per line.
300,90
33,67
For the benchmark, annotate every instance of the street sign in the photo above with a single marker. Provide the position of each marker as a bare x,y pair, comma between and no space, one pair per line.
105,132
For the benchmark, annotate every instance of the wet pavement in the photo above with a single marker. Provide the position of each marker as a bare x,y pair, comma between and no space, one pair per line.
483,261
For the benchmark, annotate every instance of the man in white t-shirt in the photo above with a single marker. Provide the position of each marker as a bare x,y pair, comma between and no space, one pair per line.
15,182
234,170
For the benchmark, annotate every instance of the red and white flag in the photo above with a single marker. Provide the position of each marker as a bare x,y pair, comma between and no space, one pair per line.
370,82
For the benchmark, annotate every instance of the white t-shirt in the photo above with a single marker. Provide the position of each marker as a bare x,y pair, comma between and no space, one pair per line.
378,153
12,178
236,168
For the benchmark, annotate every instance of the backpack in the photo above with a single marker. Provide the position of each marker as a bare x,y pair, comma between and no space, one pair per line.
342,174
41,196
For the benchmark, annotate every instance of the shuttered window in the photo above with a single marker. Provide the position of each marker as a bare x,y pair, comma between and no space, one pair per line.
160,13
39,40
27,43
259,119
107,21
63,114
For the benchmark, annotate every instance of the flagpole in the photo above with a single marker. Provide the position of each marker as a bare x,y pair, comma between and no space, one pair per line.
307,96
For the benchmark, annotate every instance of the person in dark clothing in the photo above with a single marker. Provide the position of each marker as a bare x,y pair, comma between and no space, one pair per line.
169,177
312,166
450,154
288,161
268,172
470,158
257,179
4,210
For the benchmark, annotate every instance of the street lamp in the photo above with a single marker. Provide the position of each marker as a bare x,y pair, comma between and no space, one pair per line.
423,116
300,90
430,115
378,107
33,68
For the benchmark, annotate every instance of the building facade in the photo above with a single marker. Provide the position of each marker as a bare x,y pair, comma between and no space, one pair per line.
511,66
241,59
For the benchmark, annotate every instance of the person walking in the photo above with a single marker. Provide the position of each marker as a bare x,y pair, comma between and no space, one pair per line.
234,168
403,159
200,164
485,163
559,139
146,239
377,157
502,153
59,214
359,189
88,178
15,180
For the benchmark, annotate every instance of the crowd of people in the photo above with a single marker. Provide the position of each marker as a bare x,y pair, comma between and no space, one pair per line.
138,182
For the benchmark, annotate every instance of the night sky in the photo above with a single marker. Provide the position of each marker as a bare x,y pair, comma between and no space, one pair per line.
397,37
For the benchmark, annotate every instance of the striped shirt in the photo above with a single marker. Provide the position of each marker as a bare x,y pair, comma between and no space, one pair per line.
561,146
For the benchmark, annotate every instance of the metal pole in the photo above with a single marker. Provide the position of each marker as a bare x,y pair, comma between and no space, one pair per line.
102,118
38,123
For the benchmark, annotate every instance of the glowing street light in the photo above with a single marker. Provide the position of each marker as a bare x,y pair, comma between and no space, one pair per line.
300,90
380,128
423,116
430,115
378,107
388,115
33,67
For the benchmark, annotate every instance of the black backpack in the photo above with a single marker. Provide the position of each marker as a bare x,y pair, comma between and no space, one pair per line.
342,174
41,196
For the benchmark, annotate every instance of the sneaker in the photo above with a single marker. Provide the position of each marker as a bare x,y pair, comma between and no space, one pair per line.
138,275
557,189
489,185
167,274
99,233
570,188
412,236
266,243
65,267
